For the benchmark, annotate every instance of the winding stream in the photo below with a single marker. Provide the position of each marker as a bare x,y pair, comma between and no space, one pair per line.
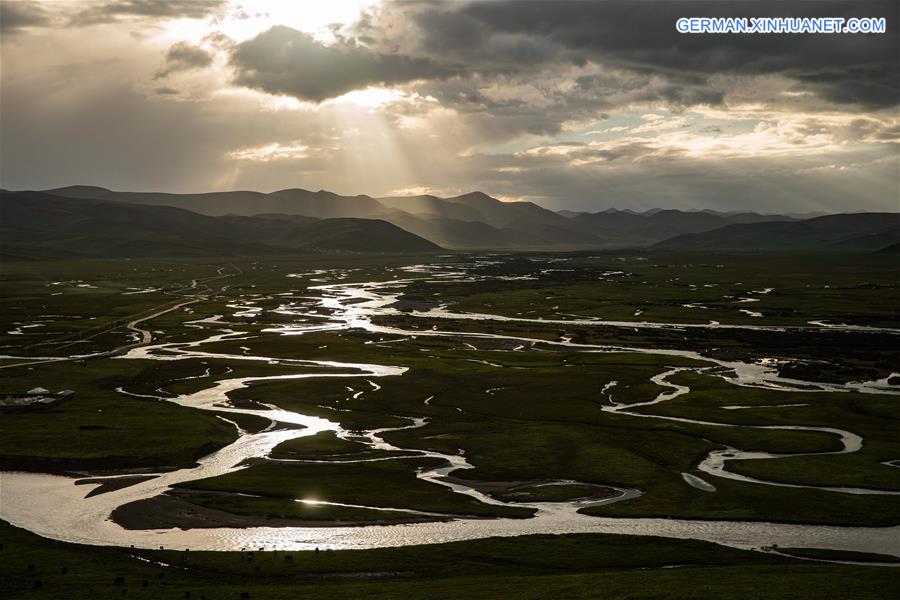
54,507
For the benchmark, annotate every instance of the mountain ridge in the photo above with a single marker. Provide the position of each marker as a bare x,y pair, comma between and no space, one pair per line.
469,221
35,224
851,232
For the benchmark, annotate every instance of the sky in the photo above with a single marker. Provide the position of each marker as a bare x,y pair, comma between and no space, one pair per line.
573,105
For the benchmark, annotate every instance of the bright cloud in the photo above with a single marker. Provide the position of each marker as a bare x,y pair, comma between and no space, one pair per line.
384,98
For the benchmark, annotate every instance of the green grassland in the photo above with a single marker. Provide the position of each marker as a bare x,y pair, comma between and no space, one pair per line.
852,289
286,510
326,445
873,417
82,307
827,356
553,493
97,428
571,437
386,484
520,416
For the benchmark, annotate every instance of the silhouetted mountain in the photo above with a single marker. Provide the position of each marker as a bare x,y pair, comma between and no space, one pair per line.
473,220
508,214
321,204
863,232
324,204
38,225
431,206
659,224
570,213
453,233
469,221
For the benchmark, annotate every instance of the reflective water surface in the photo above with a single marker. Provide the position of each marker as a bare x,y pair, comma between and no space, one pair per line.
54,507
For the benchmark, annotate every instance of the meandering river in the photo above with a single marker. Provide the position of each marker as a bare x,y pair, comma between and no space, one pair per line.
54,507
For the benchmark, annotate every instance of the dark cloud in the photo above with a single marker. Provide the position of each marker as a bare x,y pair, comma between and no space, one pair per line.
457,34
500,107
875,87
843,68
154,9
575,105
681,95
644,32
527,37
286,61
19,15
183,57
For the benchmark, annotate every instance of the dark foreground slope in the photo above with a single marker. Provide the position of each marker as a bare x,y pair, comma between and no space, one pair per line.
862,232
37,225
573,566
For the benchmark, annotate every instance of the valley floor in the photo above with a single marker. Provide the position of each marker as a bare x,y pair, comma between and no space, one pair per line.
325,424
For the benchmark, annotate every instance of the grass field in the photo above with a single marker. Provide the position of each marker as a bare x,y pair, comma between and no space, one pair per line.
522,413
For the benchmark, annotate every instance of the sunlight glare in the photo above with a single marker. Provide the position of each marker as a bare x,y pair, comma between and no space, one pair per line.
244,20
371,97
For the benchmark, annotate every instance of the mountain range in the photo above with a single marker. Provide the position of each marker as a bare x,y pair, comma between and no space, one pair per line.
469,221
860,232
87,220
35,225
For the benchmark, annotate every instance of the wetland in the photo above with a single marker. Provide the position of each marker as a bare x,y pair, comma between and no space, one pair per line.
365,407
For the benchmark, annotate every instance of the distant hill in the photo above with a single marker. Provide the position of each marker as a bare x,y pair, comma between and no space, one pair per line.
321,204
862,232
39,225
477,221
469,221
660,224
431,206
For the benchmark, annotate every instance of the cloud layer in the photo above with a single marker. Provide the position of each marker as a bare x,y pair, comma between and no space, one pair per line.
286,61
581,105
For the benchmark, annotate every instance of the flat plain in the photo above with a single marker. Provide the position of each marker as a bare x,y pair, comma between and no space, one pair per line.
370,392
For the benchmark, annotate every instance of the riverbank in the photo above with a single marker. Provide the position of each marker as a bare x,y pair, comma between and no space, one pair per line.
168,511
573,566
387,412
